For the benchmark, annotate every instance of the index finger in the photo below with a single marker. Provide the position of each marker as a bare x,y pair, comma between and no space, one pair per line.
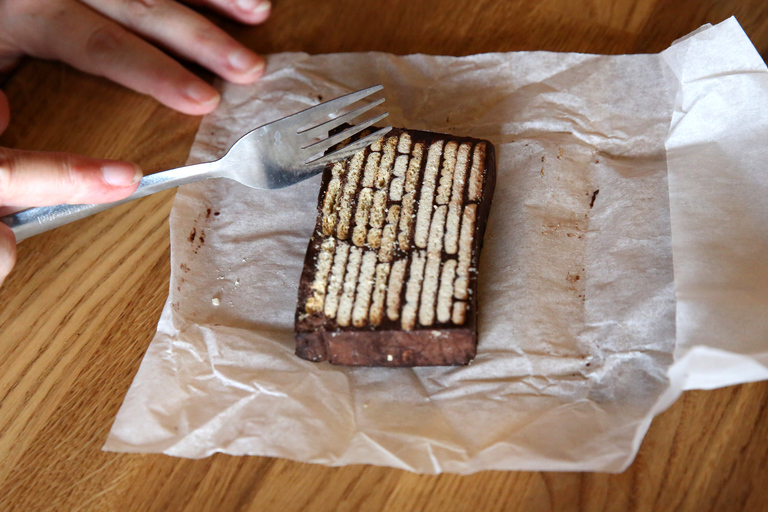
36,178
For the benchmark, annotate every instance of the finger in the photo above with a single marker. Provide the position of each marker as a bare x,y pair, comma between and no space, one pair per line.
7,251
34,178
245,11
92,43
5,112
186,33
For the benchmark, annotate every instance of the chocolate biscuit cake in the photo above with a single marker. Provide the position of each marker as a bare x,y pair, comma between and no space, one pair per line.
390,275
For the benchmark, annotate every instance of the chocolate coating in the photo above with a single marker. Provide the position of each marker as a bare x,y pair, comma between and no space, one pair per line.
320,337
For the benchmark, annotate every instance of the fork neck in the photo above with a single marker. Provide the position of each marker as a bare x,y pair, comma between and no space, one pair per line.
176,177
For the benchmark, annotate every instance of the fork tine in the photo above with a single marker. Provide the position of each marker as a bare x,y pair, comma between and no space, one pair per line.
324,145
315,114
350,149
323,129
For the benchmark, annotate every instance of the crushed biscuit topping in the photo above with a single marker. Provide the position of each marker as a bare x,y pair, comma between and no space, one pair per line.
397,231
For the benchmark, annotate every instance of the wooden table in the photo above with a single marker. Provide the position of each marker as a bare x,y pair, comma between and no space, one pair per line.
78,312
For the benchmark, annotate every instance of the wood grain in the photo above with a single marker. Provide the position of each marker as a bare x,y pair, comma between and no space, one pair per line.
80,309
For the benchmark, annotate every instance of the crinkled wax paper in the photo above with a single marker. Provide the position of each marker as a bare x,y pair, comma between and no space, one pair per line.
582,338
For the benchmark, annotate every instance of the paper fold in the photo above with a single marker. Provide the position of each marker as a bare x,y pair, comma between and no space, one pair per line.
717,151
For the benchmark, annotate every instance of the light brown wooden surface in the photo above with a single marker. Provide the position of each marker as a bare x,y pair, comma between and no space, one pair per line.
79,310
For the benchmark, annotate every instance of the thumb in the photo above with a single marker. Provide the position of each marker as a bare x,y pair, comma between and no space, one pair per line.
7,251
34,178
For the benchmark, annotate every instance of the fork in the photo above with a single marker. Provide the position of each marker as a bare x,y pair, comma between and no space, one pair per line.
272,156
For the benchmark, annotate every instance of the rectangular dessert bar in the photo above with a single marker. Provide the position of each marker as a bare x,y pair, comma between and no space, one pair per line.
390,275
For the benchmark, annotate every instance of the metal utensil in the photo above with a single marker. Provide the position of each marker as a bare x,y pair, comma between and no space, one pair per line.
271,156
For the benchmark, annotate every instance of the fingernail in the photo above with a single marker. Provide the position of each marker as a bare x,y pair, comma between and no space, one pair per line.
253,5
203,94
120,174
245,61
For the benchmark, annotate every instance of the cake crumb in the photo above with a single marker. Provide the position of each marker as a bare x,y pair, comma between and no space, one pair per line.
594,196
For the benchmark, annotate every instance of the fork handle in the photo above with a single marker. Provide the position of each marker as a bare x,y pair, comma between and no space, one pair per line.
34,221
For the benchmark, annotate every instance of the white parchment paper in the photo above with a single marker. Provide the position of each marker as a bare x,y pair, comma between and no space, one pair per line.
623,181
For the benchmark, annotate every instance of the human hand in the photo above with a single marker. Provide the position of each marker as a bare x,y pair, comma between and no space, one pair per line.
35,178
121,40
